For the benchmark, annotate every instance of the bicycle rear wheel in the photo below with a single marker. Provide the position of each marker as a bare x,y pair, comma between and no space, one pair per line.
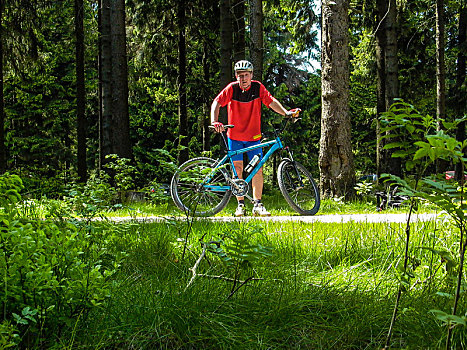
301,192
196,191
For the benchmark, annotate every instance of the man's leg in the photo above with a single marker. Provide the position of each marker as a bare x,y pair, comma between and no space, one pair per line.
238,164
257,184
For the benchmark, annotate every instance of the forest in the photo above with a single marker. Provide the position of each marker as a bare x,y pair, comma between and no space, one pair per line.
72,94
100,98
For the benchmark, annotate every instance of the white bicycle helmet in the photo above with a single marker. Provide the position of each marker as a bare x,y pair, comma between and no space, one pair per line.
243,65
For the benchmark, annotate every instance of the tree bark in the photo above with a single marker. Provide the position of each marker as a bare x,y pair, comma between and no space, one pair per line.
225,74
392,66
205,119
440,65
182,106
106,82
389,79
256,36
238,21
3,158
441,165
80,90
380,35
121,144
335,156
459,96
99,81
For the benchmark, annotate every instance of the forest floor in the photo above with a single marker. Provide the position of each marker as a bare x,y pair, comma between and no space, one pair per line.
332,218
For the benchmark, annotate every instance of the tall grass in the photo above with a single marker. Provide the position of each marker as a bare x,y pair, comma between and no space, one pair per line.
272,199
326,286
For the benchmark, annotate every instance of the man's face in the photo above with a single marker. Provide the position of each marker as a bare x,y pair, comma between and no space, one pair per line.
244,78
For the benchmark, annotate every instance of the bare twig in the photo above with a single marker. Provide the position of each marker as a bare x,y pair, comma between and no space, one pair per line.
406,259
228,279
234,291
195,266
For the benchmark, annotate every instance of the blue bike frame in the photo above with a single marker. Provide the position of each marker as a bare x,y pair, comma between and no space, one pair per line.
274,144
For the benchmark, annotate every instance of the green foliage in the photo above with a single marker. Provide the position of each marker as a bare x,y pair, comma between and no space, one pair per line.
91,199
235,250
408,126
421,147
364,188
161,166
54,274
303,135
9,337
124,172
10,189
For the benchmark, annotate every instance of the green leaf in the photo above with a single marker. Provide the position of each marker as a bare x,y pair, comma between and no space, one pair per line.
421,153
399,154
392,145
449,319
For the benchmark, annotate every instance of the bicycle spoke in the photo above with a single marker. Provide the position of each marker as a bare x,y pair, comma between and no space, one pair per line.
298,188
192,191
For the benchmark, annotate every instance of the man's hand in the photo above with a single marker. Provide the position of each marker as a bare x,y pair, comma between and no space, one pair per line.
293,113
218,126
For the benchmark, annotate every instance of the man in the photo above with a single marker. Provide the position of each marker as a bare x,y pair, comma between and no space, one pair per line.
243,99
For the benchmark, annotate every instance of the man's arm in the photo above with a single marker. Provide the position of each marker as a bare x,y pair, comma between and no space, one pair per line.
277,107
215,107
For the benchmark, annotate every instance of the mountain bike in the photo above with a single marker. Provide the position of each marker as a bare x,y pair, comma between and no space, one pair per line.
203,186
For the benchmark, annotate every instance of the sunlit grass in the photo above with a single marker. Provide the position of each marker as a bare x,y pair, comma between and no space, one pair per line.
273,201
326,286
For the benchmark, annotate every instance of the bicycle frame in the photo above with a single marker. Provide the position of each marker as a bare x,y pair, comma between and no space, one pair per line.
211,183
275,145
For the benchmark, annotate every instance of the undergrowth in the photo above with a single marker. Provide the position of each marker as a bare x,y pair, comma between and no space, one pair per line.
325,286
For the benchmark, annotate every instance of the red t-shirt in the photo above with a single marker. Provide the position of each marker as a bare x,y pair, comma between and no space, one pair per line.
244,109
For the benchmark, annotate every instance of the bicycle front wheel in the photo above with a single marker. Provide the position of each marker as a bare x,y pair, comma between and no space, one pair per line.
197,190
298,187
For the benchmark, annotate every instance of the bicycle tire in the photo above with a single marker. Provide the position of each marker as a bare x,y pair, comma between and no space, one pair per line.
306,199
190,196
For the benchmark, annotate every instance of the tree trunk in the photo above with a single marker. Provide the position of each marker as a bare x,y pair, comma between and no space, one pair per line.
238,29
225,74
335,156
205,119
256,36
381,81
459,96
121,144
441,165
3,165
182,107
387,49
99,81
392,66
440,65
392,77
80,90
106,82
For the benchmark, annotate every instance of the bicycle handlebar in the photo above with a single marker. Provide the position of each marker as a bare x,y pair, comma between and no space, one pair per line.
228,126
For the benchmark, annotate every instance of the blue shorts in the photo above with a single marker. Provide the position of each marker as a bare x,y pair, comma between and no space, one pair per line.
235,145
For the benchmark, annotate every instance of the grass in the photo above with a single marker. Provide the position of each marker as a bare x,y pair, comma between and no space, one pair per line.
325,286
272,200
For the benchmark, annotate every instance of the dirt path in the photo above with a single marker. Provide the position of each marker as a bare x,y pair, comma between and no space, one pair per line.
377,217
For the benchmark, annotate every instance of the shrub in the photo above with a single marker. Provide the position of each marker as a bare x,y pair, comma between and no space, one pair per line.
53,273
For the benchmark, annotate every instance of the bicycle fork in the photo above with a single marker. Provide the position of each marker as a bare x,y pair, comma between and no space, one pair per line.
300,182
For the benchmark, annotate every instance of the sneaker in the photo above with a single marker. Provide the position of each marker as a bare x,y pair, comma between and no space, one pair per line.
260,210
240,210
